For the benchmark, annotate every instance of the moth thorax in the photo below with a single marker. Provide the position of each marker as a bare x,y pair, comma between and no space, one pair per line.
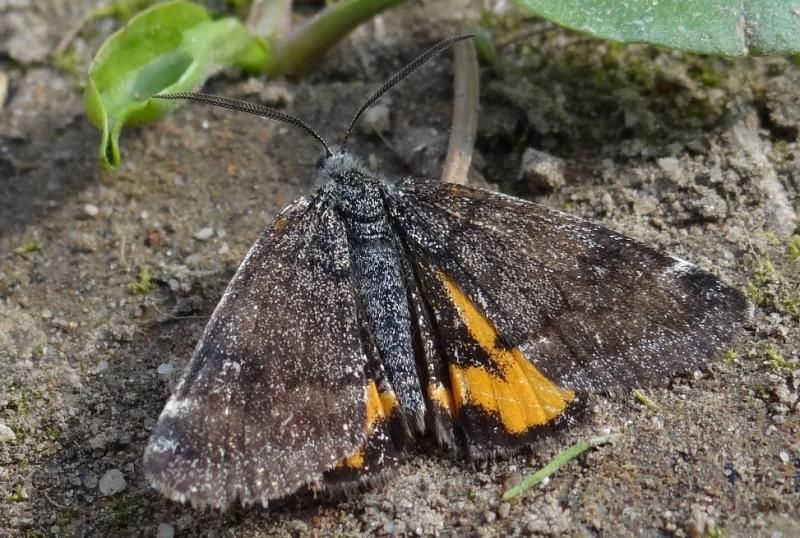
353,190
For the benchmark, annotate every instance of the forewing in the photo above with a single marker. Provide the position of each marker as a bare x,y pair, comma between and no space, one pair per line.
591,308
275,393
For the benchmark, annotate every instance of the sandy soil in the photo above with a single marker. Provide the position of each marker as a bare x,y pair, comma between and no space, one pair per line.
699,156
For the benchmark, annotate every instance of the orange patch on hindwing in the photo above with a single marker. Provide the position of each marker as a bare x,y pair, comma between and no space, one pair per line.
516,392
438,394
379,406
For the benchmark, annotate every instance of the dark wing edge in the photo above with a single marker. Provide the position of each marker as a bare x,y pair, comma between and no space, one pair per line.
275,393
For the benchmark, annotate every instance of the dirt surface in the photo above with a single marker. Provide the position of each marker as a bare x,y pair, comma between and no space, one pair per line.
699,156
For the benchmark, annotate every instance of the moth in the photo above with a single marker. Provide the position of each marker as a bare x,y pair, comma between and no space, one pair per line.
372,312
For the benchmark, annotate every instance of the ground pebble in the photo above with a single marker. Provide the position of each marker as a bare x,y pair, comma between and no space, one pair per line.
90,481
669,164
112,483
377,119
542,171
770,429
91,210
6,433
165,531
204,233
503,510
784,394
165,368
394,528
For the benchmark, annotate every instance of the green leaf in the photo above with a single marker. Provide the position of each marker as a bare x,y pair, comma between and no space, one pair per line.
171,47
747,27
28,248
144,282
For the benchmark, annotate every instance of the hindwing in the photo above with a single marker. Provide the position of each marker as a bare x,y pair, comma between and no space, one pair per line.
533,306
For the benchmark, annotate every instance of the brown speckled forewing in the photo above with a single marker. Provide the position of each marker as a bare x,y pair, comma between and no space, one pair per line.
274,394
593,309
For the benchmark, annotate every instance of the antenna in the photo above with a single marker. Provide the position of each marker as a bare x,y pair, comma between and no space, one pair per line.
251,108
421,60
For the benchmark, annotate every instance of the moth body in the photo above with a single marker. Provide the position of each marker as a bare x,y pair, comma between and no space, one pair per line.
357,196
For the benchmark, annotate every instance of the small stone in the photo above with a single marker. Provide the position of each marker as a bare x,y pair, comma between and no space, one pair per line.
708,206
91,210
537,526
489,516
152,238
90,481
25,37
658,423
785,457
669,164
112,483
193,260
165,368
700,522
376,119
784,395
269,93
512,480
770,429
503,510
186,306
98,442
277,96
204,233
101,367
6,433
165,531
542,171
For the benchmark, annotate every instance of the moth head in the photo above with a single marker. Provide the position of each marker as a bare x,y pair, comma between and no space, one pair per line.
342,173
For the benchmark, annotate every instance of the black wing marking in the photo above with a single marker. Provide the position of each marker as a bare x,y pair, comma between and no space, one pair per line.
275,393
591,308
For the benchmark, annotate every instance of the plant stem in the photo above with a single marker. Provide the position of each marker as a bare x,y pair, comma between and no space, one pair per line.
297,52
466,89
